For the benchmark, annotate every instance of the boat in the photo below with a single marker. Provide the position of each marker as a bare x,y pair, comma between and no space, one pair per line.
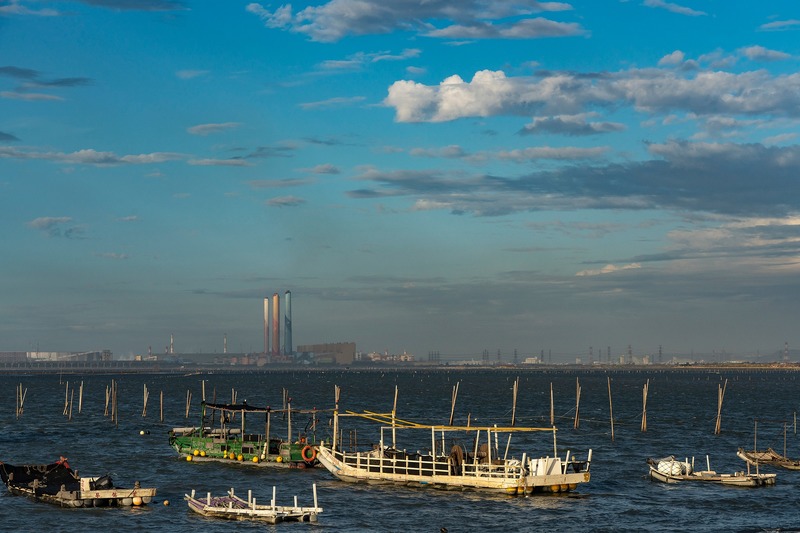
221,437
460,457
671,470
232,507
58,484
768,457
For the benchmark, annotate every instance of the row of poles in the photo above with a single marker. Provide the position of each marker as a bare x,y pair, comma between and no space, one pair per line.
112,407
577,421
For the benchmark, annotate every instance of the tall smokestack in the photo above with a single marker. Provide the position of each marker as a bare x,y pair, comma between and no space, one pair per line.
171,344
276,324
224,343
287,324
266,325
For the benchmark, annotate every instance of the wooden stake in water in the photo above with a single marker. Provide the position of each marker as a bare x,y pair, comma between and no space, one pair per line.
514,405
394,411
80,398
21,400
145,396
108,397
720,396
162,406
552,407
577,423
611,408
644,406
188,401
453,402
66,399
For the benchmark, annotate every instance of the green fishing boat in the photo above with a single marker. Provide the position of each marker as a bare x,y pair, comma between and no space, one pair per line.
223,436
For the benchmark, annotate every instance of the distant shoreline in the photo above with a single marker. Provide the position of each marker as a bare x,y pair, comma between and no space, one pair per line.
138,367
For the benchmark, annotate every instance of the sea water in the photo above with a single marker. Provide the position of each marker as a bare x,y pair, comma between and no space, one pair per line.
682,407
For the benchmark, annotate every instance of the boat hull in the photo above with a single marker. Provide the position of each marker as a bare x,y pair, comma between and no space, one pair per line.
251,450
509,477
739,479
231,507
769,457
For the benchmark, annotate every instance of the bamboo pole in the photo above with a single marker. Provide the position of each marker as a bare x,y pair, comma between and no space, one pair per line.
720,396
21,400
453,402
552,407
71,398
188,401
514,405
644,406
577,423
611,408
145,396
394,411
66,399
114,402
108,396
80,399
162,406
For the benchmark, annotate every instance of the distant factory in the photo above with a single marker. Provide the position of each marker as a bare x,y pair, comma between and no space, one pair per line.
275,350
340,353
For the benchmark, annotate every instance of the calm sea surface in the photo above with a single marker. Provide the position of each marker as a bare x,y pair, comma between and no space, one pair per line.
681,416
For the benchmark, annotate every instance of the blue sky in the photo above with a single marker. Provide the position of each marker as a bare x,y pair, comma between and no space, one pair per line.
451,176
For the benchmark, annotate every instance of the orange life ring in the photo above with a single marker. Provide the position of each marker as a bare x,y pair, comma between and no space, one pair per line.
308,454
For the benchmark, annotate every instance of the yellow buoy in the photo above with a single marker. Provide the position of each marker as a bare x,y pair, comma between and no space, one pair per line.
255,458
188,457
166,502
137,500
279,459
196,452
202,453
232,455
240,457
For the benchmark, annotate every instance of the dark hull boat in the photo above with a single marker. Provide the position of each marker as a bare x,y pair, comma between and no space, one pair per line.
58,484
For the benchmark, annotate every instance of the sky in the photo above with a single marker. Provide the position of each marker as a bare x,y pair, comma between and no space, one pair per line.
509,176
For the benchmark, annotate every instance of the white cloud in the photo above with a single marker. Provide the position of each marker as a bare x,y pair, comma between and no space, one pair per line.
491,93
335,19
780,25
189,74
207,129
15,7
759,53
675,58
608,269
674,8
236,162
90,157
31,97
285,201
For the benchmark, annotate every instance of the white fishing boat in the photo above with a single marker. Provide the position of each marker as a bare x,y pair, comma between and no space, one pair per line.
460,457
768,457
232,507
671,470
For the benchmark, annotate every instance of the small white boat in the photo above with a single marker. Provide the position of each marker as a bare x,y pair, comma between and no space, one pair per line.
670,470
232,507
